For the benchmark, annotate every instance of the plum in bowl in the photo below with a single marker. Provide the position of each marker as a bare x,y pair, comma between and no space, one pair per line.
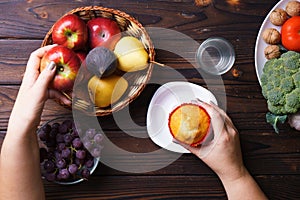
64,159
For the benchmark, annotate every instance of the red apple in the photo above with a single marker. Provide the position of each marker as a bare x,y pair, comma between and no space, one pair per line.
70,31
83,69
81,55
67,66
103,32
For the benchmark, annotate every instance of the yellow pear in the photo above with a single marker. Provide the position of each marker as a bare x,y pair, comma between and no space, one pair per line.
131,54
106,91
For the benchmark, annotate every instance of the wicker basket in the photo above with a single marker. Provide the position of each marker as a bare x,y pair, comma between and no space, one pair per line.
136,80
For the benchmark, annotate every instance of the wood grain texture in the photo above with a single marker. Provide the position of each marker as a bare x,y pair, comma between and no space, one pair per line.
166,187
237,106
273,159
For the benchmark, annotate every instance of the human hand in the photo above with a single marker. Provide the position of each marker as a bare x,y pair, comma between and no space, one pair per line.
34,89
222,154
21,141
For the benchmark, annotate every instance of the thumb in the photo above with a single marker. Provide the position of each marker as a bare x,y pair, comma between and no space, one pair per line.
46,77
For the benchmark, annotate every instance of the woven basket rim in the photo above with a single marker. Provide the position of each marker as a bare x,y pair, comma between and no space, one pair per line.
150,50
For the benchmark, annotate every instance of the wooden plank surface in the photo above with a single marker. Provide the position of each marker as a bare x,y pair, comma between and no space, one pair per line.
236,103
272,158
170,187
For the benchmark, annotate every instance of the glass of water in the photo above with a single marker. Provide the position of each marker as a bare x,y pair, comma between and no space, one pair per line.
215,56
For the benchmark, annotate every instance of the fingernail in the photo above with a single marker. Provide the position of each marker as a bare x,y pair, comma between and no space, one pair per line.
51,66
212,103
199,100
175,141
68,102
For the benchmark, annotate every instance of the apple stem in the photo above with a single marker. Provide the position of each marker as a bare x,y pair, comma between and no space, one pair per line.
157,63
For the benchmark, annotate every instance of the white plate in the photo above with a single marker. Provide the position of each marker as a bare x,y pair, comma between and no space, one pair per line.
260,45
165,99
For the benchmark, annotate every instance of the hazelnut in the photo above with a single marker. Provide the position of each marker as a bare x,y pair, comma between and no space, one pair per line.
278,16
293,8
272,51
236,73
271,36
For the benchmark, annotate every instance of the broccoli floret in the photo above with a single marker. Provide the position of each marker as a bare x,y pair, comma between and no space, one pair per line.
287,85
275,96
292,61
278,110
264,79
275,79
289,72
280,83
293,101
296,78
268,66
266,88
290,54
293,97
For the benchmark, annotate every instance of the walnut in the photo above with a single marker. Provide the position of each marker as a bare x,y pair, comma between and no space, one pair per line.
293,8
278,16
271,36
272,51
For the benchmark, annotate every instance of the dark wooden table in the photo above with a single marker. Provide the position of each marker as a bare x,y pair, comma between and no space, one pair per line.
273,159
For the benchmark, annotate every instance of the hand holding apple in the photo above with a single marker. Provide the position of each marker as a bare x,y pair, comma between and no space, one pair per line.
67,66
103,32
70,31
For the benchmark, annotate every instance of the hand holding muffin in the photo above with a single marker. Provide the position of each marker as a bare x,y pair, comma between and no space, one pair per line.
223,155
189,123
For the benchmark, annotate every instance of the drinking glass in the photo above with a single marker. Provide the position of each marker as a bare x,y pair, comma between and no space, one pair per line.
215,56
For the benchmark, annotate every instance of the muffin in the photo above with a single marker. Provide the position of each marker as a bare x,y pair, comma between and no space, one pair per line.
189,123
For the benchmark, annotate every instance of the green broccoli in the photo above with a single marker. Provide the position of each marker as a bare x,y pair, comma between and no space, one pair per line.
287,85
274,119
291,60
296,78
293,101
280,83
